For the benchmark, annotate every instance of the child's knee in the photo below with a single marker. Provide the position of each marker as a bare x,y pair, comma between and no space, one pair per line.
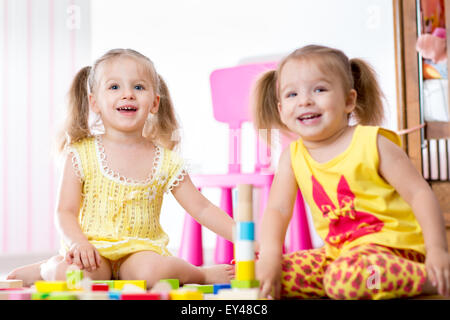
351,281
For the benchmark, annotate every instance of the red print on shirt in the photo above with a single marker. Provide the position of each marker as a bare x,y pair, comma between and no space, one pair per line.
346,223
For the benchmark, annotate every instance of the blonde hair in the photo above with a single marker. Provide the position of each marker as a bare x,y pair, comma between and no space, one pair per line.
76,126
354,74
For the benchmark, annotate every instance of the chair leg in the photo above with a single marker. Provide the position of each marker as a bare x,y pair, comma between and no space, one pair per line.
300,237
191,248
224,248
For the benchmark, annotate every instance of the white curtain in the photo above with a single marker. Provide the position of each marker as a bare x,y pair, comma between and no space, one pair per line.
43,44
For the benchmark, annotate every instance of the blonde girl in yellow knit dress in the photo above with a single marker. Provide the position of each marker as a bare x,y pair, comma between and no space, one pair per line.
381,223
113,183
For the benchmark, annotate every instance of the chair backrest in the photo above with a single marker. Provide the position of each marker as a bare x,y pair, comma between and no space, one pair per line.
230,92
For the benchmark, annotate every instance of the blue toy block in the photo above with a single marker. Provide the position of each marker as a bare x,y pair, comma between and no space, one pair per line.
245,231
221,286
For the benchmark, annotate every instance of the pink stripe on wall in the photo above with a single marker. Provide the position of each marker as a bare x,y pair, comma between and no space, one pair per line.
5,126
51,94
73,46
28,128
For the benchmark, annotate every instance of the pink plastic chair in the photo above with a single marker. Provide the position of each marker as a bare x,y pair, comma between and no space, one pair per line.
230,89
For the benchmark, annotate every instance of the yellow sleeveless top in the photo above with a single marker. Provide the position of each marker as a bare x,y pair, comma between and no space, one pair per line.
120,216
350,202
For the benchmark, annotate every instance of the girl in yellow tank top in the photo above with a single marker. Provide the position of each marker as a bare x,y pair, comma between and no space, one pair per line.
380,221
113,183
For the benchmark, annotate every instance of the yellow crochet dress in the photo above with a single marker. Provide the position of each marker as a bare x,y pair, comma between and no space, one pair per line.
120,216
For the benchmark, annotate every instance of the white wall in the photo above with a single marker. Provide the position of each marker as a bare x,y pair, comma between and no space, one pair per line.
189,39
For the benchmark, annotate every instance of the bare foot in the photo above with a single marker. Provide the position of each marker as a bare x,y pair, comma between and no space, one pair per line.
221,273
28,274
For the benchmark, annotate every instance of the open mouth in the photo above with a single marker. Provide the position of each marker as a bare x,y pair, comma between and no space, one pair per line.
309,117
126,109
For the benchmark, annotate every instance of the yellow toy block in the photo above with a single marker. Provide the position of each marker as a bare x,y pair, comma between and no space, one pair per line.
119,284
7,284
186,294
245,270
50,286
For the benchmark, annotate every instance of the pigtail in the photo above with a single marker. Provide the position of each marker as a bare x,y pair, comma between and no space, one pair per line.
369,106
264,104
76,126
164,126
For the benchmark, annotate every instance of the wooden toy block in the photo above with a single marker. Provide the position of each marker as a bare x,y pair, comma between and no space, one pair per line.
206,288
244,205
40,295
100,287
110,283
237,294
219,286
244,250
140,296
4,295
20,295
73,279
132,288
114,295
7,284
245,230
95,295
50,286
245,270
244,284
62,296
186,294
119,284
174,283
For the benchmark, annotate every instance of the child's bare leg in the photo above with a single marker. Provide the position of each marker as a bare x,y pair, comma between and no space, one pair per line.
55,270
150,266
29,274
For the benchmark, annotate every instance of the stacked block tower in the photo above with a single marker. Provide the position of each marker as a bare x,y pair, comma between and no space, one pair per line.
244,251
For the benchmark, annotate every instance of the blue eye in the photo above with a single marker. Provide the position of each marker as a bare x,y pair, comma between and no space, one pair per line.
114,87
291,94
320,89
139,87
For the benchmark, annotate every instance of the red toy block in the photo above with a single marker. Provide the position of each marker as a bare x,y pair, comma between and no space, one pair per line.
140,296
100,287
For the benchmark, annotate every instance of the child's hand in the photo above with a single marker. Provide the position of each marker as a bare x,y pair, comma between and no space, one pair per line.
268,272
84,255
438,270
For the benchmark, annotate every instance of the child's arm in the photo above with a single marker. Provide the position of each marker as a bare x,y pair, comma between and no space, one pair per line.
81,252
399,172
202,210
274,225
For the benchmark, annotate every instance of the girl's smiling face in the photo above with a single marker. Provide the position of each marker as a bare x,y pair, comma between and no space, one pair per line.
313,103
124,94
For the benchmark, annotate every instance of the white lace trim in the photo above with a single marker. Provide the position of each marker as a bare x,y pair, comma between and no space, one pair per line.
76,162
177,178
108,172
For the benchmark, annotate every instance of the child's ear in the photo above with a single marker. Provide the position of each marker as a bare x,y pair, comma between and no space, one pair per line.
155,106
93,103
351,101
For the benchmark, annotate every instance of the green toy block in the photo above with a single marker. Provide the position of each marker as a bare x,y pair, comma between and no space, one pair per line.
40,295
62,296
110,283
244,284
207,288
174,283
73,279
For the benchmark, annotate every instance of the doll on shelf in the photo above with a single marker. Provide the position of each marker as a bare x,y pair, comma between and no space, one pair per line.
433,48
